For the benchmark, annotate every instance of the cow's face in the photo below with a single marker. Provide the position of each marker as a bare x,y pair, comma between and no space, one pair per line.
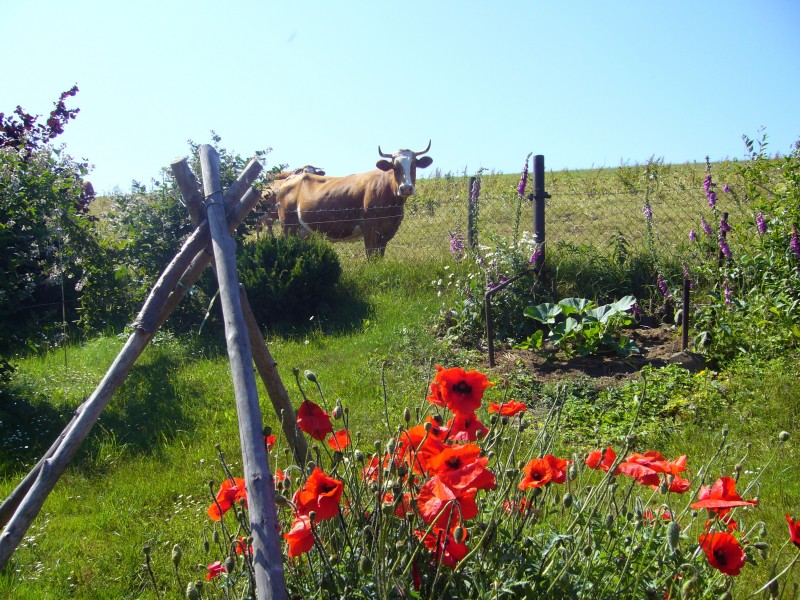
404,163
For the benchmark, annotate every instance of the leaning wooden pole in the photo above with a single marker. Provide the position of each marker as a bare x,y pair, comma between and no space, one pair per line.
268,564
265,364
179,275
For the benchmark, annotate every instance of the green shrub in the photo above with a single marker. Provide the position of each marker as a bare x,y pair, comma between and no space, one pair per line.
288,279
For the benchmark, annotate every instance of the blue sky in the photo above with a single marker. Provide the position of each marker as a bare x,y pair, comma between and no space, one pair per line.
584,83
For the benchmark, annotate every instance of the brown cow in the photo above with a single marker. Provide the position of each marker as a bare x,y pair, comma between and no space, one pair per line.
343,208
271,189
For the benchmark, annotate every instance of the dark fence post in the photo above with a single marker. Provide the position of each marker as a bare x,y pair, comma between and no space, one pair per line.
539,196
472,213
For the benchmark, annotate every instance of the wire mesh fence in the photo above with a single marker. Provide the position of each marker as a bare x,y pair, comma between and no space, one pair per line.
609,211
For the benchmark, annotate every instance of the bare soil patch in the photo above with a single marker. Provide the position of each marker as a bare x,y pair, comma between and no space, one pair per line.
657,346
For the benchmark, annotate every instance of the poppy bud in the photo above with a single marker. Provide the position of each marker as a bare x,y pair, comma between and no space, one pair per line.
177,554
572,472
365,565
336,413
312,514
567,501
358,455
428,426
391,446
402,470
146,550
310,376
459,534
230,564
609,520
439,420
673,534
664,487
192,593
407,415
206,546
783,436
215,536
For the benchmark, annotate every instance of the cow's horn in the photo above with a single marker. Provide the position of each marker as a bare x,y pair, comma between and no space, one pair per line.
384,155
424,151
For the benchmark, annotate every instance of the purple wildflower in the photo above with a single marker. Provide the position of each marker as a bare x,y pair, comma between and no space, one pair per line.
708,184
727,189
537,254
723,225
457,245
728,294
662,285
647,212
794,245
523,180
476,191
687,277
761,224
723,246
692,235
706,227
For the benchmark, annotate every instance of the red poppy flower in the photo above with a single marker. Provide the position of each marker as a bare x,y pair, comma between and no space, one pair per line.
466,428
321,494
678,485
313,420
507,409
463,470
230,492
794,530
242,547
723,552
559,467
601,459
522,506
656,462
444,546
649,515
339,440
416,446
403,505
300,536
437,502
215,569
721,497
459,390
269,441
641,473
537,474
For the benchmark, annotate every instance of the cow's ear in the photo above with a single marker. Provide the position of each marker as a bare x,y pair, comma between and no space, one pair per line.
384,165
424,161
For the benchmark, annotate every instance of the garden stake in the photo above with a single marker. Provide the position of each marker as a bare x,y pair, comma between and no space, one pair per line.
258,478
685,317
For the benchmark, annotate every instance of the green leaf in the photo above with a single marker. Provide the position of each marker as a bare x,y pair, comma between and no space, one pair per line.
544,313
575,305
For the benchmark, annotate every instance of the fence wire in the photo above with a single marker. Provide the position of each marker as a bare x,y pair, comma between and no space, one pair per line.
605,216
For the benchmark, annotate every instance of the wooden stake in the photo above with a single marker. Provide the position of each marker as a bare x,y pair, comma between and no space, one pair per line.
268,564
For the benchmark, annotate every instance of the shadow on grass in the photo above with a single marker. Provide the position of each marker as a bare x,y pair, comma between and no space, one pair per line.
146,413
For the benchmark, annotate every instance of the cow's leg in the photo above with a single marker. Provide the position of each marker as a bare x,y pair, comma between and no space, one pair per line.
371,240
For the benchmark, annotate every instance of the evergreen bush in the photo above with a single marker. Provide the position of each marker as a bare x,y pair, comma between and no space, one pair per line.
288,279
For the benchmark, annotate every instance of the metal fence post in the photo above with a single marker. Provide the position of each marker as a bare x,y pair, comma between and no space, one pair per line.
539,196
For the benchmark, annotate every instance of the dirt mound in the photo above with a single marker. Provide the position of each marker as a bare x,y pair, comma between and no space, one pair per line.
657,346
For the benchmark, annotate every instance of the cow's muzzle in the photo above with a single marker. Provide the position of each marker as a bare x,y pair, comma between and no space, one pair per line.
405,190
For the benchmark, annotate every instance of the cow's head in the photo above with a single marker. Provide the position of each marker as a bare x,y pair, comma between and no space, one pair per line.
404,163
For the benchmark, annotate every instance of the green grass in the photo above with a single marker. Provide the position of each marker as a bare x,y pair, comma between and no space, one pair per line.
142,477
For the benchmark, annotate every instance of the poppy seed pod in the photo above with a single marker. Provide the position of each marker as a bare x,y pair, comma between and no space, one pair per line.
783,436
